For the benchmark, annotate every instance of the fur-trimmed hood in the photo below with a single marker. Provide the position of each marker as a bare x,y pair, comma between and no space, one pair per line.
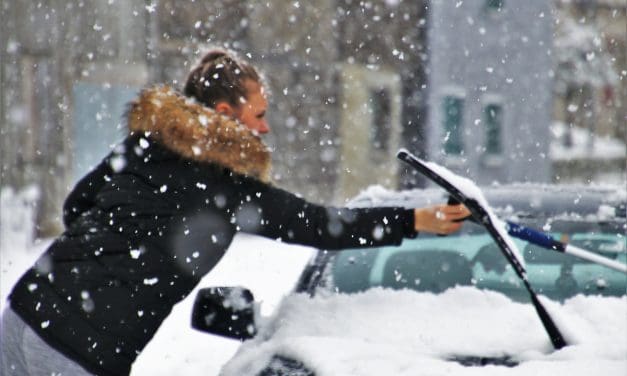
199,133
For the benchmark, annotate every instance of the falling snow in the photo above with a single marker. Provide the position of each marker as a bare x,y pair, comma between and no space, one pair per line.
349,83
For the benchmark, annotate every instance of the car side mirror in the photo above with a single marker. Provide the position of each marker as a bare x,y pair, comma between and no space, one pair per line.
225,311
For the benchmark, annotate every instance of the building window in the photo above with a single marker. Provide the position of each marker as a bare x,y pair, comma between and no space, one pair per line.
381,120
494,5
493,115
453,107
370,128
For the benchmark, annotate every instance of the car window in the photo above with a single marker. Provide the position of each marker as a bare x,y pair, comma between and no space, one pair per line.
472,258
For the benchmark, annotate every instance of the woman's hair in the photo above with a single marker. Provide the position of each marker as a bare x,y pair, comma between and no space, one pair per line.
220,76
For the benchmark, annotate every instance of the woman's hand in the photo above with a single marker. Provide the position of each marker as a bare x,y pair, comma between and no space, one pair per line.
440,219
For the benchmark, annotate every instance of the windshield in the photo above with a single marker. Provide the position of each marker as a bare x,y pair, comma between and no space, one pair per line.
472,258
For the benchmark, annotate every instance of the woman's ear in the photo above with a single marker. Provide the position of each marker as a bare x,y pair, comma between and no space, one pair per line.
224,108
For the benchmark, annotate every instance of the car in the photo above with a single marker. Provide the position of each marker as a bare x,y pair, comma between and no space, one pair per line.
445,304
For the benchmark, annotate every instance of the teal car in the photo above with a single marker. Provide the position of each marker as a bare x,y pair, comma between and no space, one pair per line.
590,219
431,263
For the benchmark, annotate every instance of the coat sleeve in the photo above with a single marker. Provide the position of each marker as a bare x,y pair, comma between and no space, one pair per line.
83,195
280,215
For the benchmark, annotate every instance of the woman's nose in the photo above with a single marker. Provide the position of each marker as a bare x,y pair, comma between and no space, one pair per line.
263,127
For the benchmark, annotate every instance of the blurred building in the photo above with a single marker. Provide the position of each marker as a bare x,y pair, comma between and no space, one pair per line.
338,73
67,67
590,106
490,88
464,83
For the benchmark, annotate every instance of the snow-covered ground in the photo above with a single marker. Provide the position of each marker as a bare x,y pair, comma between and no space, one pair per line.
372,333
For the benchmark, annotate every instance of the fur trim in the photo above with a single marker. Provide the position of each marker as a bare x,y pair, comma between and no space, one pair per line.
198,132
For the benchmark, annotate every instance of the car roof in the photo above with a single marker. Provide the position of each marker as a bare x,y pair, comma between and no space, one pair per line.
524,199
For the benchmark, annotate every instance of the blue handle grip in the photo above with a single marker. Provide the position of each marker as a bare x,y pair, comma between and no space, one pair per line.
535,237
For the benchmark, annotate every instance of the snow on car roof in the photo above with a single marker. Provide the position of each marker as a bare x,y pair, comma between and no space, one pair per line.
590,202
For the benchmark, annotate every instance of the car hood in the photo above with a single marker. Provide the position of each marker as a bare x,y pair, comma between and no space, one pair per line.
408,333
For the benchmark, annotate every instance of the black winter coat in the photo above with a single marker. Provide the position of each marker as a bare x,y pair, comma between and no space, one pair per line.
157,215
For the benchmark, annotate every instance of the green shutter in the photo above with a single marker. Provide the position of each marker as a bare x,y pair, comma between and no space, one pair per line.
453,115
493,114
381,109
494,5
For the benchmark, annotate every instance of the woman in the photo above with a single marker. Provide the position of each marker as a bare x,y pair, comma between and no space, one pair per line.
159,212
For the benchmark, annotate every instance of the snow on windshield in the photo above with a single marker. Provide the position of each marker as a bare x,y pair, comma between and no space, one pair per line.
609,197
385,332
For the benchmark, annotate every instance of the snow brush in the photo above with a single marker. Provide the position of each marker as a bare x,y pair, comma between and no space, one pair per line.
467,193
546,241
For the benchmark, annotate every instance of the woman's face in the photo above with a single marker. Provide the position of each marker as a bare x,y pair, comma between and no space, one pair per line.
252,111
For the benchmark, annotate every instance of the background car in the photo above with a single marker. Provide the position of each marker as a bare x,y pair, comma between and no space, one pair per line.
436,303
